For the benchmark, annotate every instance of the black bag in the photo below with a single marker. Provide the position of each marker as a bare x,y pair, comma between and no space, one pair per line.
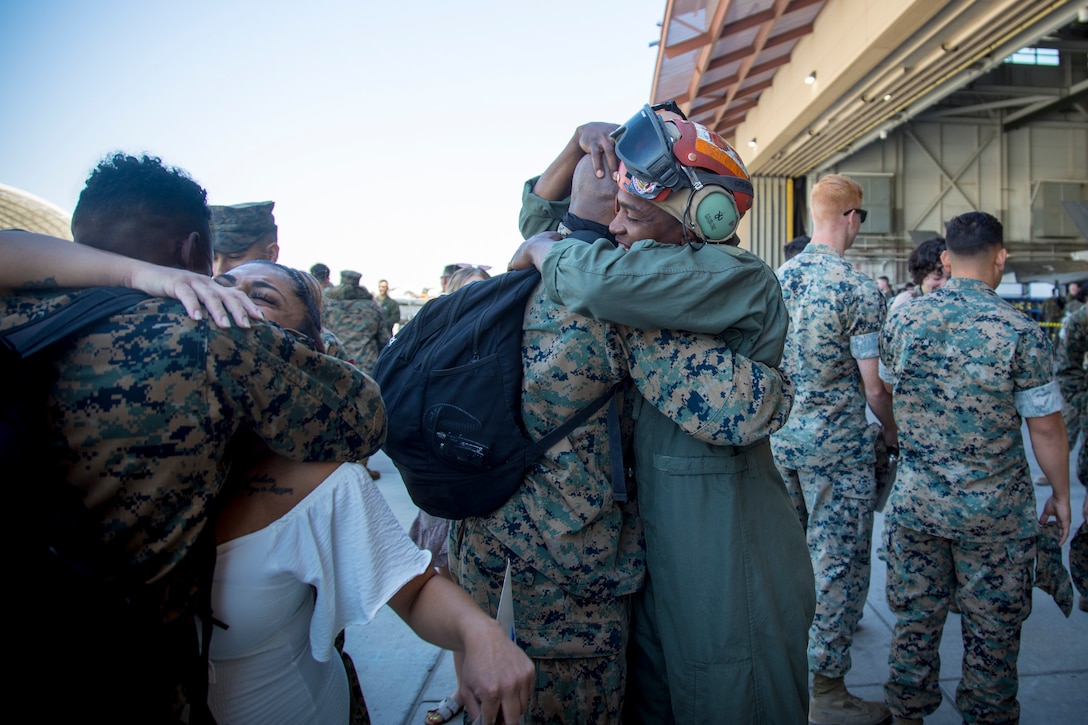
451,383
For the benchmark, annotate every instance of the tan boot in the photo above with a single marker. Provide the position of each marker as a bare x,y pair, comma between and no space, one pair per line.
832,704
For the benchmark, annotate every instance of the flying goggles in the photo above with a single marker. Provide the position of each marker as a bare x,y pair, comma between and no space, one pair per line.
662,151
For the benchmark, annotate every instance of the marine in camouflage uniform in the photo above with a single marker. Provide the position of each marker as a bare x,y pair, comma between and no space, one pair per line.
576,554
1073,379
143,407
825,450
243,233
961,520
353,315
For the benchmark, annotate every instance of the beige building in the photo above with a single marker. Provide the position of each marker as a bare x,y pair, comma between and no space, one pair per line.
937,107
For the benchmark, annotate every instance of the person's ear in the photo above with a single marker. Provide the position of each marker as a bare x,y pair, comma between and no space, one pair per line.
945,260
1000,259
194,253
273,251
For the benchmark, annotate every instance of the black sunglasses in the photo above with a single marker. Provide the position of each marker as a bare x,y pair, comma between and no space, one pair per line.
861,213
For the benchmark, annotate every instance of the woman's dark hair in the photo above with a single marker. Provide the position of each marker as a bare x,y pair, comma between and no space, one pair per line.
925,258
308,291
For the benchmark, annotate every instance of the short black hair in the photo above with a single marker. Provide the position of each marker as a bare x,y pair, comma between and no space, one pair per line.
320,272
796,245
123,187
925,258
973,233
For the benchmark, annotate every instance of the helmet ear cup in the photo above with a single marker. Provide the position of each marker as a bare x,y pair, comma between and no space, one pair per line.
714,212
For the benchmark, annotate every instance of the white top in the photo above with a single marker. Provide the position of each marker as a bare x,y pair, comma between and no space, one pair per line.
276,663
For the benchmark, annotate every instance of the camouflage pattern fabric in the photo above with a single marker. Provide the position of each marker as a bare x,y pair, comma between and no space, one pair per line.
333,346
1050,573
963,471
577,644
1078,560
144,405
991,582
839,533
961,519
238,227
835,316
1072,358
353,315
576,553
826,451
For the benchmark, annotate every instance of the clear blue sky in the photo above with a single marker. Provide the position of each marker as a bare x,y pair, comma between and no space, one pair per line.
393,137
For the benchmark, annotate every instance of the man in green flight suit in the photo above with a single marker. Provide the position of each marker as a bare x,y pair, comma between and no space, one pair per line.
721,627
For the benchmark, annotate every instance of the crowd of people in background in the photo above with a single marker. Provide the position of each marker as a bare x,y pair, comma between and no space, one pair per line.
694,551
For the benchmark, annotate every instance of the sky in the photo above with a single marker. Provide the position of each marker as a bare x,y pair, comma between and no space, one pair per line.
394,137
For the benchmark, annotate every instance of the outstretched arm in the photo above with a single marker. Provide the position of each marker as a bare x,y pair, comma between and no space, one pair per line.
37,261
590,138
711,392
546,198
713,289
496,675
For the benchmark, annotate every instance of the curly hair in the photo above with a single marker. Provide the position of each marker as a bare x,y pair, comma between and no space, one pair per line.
925,258
123,187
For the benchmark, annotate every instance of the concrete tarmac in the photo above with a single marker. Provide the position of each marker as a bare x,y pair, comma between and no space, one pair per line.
403,676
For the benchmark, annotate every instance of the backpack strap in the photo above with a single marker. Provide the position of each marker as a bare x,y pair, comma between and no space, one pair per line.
615,444
88,307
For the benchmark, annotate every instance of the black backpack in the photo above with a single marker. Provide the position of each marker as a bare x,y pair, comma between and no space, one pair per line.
451,383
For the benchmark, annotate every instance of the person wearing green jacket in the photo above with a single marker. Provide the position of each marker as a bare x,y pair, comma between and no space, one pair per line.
720,629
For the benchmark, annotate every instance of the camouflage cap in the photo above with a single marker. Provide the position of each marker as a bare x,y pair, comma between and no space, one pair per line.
236,228
349,276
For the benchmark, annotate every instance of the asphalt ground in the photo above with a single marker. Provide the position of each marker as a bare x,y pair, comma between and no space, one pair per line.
402,676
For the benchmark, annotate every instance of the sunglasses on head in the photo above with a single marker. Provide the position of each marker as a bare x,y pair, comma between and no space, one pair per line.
862,213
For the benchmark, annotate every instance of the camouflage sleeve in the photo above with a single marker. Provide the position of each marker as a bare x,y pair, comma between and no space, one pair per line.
1071,358
712,393
709,290
887,350
864,325
333,346
1035,389
304,405
539,215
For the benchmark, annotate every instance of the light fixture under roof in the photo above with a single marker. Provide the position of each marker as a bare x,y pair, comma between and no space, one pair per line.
810,78
752,143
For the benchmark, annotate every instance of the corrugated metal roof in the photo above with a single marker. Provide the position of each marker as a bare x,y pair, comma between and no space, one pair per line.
718,57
